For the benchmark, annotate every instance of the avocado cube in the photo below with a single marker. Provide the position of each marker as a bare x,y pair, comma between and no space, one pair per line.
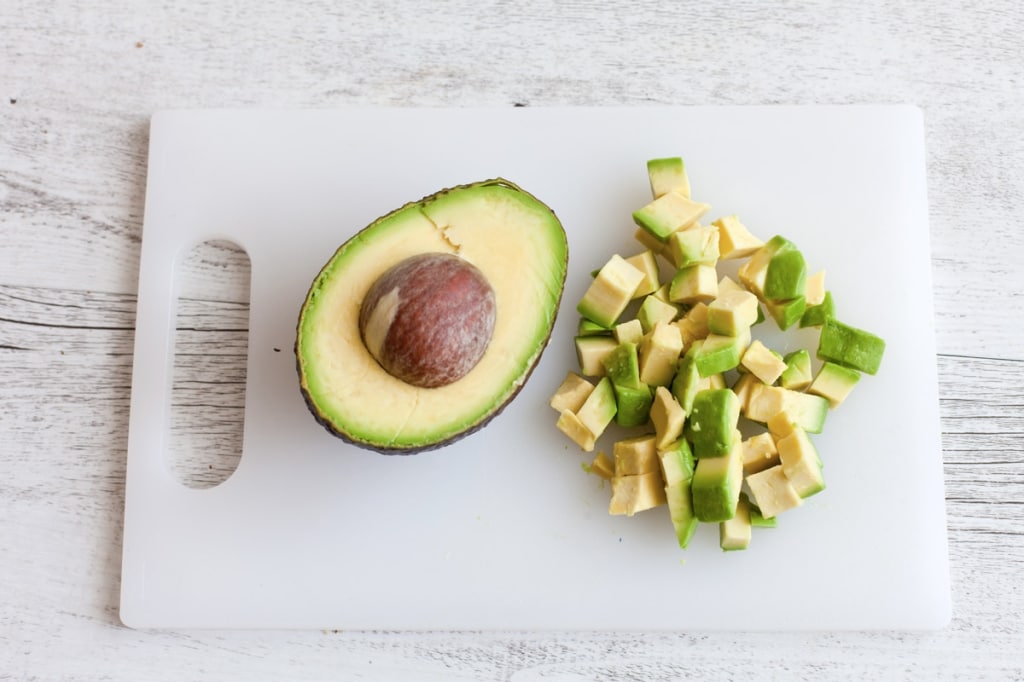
772,492
754,272
694,245
572,393
757,519
632,494
801,463
602,466
680,507
834,382
646,263
743,387
693,326
713,421
719,354
668,213
668,175
659,354
610,292
591,352
653,310
805,409
652,243
759,453
814,291
569,424
635,456
732,311
786,313
694,284
622,366
716,486
797,375
815,315
734,239
686,383
668,417
677,462
632,405
734,533
786,276
628,332
780,425
598,409
763,363
851,347
587,327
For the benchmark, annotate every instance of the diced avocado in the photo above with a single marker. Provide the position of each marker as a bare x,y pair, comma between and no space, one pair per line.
633,405
734,533
759,453
610,292
693,326
598,409
697,245
670,212
629,332
757,520
668,175
815,315
786,313
743,387
653,310
834,382
780,425
851,347
677,462
572,393
667,416
786,276
622,366
712,424
716,486
590,328
686,383
732,312
814,290
801,463
591,352
754,272
797,375
727,284
569,424
762,362
734,239
634,456
649,241
719,354
632,494
680,507
646,263
659,354
809,411
772,492
602,466
694,284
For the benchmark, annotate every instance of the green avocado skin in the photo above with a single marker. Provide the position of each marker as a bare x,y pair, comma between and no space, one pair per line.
414,448
850,347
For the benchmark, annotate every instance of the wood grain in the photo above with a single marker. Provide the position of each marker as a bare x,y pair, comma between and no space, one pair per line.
78,82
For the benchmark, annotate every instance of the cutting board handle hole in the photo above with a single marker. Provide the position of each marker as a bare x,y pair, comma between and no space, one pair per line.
211,348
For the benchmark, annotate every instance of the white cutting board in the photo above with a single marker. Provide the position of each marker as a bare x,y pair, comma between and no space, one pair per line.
504,529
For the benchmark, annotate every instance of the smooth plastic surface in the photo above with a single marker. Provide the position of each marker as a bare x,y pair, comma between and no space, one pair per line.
504,529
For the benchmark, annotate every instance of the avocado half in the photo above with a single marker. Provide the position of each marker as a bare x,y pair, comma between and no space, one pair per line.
519,245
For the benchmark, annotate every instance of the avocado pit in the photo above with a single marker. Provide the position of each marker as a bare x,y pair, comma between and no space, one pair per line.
429,319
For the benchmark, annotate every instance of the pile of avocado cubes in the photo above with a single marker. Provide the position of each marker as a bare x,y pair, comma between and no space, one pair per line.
664,369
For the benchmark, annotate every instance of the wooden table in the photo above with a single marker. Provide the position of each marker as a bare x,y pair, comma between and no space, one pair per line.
78,82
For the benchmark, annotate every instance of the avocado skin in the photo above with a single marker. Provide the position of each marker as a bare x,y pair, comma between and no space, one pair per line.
541,346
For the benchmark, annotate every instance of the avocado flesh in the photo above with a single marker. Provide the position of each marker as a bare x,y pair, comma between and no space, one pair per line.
517,243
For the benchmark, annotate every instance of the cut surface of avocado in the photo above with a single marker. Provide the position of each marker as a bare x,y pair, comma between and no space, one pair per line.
712,423
716,486
598,409
719,354
680,506
622,366
632,494
694,245
772,492
759,453
814,290
694,284
801,463
797,375
571,394
653,310
668,175
754,272
834,383
734,533
851,347
638,455
667,416
668,213
763,363
787,313
677,462
610,292
646,263
815,315
602,466
732,311
569,424
489,224
659,354
591,352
